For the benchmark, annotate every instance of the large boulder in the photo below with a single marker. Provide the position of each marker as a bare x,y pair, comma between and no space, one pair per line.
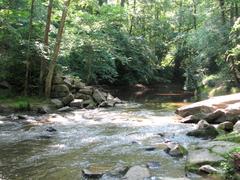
67,99
77,103
237,127
211,105
88,90
99,96
208,169
78,84
57,102
89,104
5,85
204,130
57,80
202,157
137,173
191,119
60,91
82,96
226,126
68,81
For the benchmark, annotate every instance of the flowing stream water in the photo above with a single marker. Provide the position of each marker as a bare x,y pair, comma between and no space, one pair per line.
99,137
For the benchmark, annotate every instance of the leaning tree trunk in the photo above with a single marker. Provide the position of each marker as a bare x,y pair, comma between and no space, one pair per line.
26,83
46,43
48,84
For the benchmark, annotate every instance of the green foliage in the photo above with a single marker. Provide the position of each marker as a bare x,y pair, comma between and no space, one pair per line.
105,53
140,42
228,165
21,103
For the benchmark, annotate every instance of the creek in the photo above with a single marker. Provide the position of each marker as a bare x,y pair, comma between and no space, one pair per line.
100,137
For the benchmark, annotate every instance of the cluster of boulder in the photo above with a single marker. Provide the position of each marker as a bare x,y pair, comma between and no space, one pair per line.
221,110
214,110
68,92
215,116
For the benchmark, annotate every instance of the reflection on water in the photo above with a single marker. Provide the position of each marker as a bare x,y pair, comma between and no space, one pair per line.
102,137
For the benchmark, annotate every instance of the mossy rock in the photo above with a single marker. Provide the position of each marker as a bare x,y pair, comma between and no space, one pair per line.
232,137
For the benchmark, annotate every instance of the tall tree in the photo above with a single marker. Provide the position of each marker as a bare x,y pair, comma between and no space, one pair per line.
46,43
222,7
194,14
122,3
48,84
26,83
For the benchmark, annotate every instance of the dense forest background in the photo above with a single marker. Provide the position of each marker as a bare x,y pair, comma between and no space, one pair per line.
191,42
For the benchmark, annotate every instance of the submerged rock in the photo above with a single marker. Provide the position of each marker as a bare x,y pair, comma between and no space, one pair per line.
150,148
92,174
203,156
137,173
175,149
204,130
153,165
218,147
95,171
119,170
51,129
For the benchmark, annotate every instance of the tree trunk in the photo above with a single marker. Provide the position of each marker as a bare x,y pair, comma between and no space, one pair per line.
232,14
236,11
122,3
132,18
194,14
48,84
222,7
26,83
46,43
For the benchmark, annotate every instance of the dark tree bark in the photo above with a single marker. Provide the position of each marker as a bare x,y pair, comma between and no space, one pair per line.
26,83
100,2
232,14
132,18
46,43
236,10
194,14
48,84
222,7
122,3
